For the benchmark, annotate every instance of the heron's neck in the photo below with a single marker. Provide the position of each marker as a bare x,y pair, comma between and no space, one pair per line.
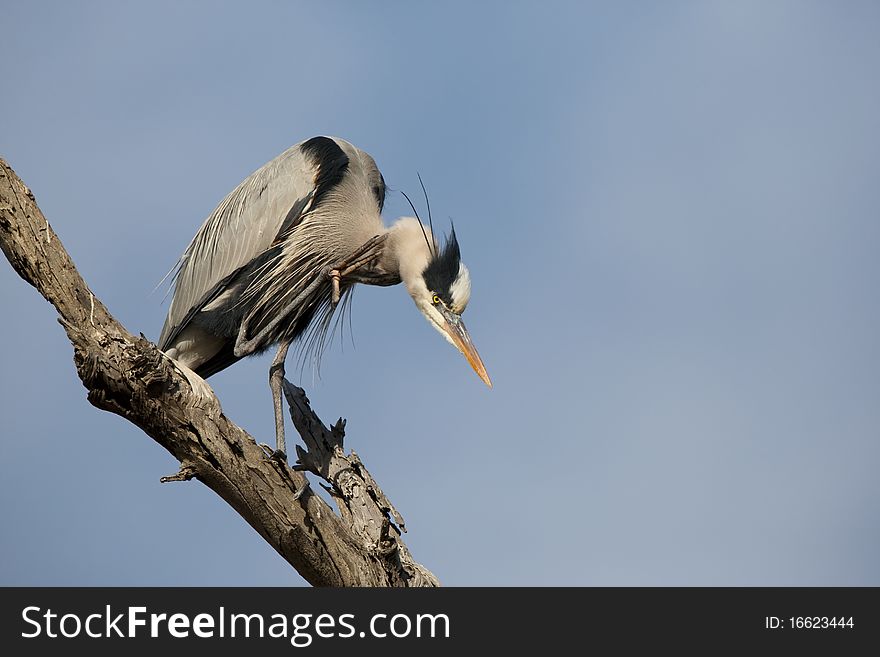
406,253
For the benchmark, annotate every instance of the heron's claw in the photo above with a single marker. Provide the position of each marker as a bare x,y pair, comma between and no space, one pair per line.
335,277
280,458
273,454
362,257
302,491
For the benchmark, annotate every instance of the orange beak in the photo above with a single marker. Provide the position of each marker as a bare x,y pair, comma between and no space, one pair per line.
456,330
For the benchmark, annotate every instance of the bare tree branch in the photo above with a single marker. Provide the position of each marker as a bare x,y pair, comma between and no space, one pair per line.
129,376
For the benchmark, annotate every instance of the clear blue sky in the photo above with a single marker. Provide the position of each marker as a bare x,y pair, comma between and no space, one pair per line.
671,214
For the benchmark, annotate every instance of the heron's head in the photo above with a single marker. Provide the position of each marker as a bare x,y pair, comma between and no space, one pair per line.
439,284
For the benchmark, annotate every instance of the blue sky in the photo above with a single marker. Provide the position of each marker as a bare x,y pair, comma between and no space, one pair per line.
671,216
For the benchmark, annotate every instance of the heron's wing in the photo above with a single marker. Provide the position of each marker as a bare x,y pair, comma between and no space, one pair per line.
246,223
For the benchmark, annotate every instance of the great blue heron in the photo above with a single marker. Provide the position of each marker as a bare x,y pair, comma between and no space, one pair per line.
274,259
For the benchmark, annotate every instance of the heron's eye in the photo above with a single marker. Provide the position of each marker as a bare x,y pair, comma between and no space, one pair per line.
435,300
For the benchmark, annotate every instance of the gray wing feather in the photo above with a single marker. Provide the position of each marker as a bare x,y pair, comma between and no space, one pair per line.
243,226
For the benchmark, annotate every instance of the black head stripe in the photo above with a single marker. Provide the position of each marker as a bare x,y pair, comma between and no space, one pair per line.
330,161
442,270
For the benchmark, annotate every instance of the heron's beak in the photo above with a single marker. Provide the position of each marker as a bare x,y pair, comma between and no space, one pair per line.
456,330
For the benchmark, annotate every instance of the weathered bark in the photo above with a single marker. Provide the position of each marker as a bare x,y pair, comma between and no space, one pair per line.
129,376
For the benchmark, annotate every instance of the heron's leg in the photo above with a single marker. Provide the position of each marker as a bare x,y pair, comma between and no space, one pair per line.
365,254
245,347
276,376
362,256
370,250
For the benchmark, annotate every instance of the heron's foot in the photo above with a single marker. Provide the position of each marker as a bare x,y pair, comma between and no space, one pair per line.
361,258
280,458
302,491
270,454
